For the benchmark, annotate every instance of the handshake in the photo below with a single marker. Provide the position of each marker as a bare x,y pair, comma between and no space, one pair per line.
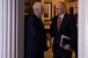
49,40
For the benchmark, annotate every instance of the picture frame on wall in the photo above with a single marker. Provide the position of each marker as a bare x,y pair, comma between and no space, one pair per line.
47,11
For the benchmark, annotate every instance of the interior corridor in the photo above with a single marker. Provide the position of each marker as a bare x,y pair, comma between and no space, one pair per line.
28,11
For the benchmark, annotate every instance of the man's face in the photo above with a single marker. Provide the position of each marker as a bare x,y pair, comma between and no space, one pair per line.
60,8
40,10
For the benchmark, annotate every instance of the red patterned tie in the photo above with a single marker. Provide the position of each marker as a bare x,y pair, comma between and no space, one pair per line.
58,23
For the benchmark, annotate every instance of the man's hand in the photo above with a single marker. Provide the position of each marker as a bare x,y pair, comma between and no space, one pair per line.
67,47
48,36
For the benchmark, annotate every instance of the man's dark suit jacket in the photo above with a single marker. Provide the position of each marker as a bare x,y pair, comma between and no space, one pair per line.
75,45
35,36
67,28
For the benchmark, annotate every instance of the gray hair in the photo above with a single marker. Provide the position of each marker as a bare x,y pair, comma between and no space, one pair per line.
37,5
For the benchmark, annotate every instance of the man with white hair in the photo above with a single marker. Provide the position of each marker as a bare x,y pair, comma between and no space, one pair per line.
35,33
38,9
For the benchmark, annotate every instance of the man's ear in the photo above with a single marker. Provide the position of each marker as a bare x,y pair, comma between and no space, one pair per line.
36,10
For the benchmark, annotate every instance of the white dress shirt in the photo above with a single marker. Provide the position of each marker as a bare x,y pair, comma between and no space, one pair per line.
61,16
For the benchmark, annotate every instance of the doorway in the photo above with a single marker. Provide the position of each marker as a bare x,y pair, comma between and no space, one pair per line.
47,21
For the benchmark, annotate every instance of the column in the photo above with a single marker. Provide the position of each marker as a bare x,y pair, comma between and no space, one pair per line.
11,29
82,30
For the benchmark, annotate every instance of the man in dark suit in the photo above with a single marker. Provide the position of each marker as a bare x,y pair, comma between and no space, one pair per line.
35,33
75,45
62,24
75,15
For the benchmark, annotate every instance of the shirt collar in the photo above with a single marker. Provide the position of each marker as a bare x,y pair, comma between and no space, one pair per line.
62,15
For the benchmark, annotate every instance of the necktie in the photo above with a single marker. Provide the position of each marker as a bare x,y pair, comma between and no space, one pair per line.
58,23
